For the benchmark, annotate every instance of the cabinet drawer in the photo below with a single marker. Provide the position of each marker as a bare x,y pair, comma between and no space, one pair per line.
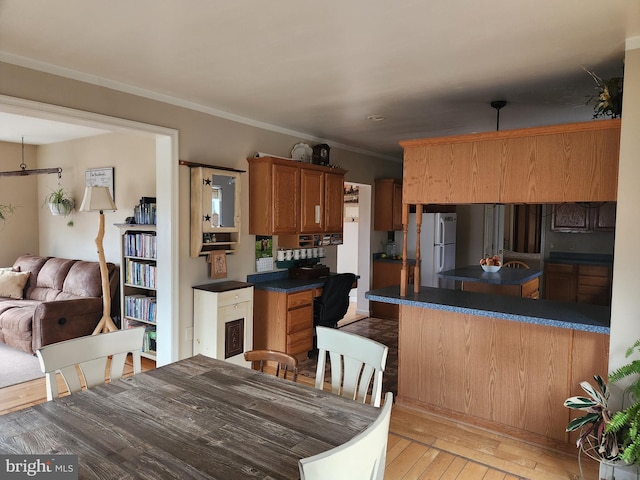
560,267
300,319
593,281
594,270
298,299
300,342
235,296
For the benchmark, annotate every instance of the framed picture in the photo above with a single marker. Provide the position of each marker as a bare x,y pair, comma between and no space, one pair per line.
218,261
101,177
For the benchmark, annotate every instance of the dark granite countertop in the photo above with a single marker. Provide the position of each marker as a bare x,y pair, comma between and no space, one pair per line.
583,258
219,287
377,258
279,281
504,276
574,316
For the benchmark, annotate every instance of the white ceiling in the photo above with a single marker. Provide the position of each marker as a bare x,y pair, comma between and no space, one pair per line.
431,68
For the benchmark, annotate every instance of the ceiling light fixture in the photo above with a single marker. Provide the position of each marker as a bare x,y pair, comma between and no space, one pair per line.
375,118
498,104
23,169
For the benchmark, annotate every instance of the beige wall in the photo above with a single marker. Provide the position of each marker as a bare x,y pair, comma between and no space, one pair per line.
133,159
202,138
625,309
19,234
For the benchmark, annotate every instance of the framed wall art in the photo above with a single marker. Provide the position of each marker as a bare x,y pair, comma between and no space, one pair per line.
101,177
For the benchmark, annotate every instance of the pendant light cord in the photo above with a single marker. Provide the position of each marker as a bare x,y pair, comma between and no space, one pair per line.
498,104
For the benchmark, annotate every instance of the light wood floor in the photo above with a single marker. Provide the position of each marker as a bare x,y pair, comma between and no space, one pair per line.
421,446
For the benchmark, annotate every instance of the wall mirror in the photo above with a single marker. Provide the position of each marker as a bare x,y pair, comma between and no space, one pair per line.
215,210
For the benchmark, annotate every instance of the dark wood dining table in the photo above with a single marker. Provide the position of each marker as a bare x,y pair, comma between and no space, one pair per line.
196,418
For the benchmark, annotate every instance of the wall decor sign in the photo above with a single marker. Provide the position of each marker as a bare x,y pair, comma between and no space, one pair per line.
101,177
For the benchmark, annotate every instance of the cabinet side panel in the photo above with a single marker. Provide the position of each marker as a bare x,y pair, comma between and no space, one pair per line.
260,205
269,320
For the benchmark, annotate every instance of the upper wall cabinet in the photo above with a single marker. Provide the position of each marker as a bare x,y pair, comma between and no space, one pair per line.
215,210
583,217
564,163
291,198
387,208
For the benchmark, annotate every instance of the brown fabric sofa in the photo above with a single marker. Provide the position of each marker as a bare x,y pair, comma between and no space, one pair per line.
62,299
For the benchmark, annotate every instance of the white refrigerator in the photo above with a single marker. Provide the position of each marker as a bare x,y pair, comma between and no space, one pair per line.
437,247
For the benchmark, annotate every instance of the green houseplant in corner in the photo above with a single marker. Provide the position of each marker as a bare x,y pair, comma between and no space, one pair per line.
626,423
60,202
611,439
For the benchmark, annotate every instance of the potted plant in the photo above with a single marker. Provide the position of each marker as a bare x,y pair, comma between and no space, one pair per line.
595,440
611,439
626,423
60,202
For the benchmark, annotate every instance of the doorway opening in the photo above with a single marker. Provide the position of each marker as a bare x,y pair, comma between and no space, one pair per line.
166,140
354,254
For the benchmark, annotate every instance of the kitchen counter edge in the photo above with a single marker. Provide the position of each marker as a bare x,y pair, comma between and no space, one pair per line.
573,316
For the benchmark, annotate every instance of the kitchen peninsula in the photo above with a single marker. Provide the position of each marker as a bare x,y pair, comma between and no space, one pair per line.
521,282
502,362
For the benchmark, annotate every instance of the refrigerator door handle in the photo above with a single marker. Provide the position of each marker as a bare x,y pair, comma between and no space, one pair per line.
440,233
440,257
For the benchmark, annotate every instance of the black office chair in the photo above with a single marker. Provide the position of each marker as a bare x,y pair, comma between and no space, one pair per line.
334,302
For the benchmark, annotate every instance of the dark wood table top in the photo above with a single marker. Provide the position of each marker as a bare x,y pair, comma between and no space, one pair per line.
196,418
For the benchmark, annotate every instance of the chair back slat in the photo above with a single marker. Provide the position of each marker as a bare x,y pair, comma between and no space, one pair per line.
90,355
355,361
284,362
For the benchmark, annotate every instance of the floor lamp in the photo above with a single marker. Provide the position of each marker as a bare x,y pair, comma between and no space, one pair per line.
98,199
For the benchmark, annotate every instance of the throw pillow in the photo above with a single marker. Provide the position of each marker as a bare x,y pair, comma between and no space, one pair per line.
10,269
12,283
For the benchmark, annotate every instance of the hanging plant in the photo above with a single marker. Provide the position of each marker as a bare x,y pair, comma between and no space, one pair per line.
609,97
60,202
5,211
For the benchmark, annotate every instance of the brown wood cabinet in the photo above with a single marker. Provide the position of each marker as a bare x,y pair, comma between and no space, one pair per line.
581,283
387,204
594,284
583,217
290,198
560,282
333,202
562,163
283,321
387,274
311,201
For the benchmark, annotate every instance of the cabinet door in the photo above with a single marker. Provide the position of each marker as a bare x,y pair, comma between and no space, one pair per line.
570,217
560,282
333,202
311,201
285,181
605,217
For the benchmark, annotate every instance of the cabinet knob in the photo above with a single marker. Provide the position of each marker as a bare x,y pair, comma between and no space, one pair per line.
237,297
236,306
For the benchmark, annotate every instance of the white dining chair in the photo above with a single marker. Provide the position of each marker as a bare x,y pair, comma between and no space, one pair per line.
355,362
361,458
90,354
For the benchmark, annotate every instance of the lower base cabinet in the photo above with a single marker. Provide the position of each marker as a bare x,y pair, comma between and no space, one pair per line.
387,274
581,283
284,321
223,321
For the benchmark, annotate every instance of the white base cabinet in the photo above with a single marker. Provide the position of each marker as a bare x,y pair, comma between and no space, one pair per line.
223,321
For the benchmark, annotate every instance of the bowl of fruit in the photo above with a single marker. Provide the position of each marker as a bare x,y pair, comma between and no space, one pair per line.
491,264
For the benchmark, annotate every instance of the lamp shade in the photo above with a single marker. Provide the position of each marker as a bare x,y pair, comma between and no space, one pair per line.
97,199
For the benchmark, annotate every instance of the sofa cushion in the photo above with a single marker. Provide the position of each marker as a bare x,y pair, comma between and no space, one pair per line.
50,279
12,283
16,323
33,264
83,280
